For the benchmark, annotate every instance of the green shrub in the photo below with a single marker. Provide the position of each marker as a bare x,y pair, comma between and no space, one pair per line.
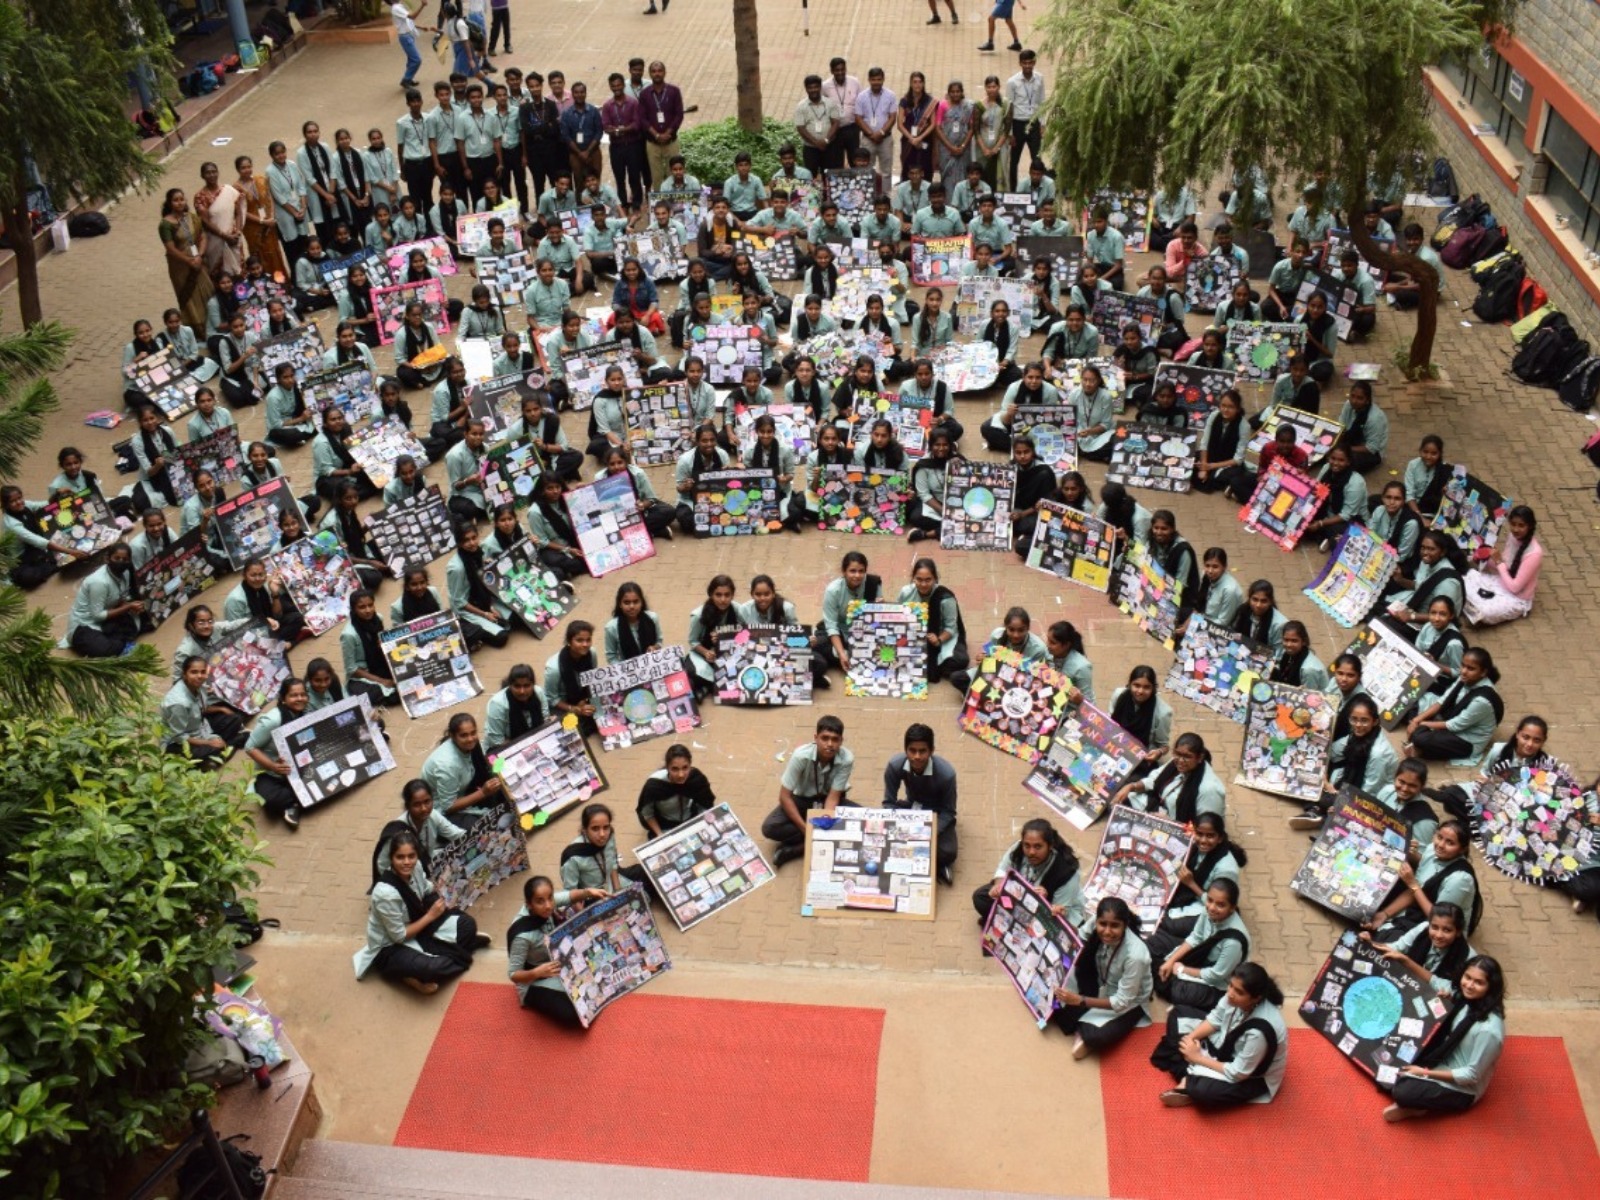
115,861
708,149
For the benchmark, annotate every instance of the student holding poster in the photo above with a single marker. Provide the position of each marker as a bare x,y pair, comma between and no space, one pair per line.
1213,859
1236,1054
1186,787
1453,1071
1363,758
947,632
272,773
412,938
816,775
929,782
458,772
1110,985
1436,953
530,967
589,861
1044,859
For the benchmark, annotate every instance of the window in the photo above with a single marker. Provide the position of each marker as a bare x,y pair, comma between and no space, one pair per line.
1500,95
1574,183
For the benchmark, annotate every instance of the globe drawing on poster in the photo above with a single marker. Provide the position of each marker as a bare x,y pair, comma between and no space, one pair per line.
1217,667
1287,733
1054,430
1208,282
642,698
937,261
977,505
1378,1014
1261,349
763,665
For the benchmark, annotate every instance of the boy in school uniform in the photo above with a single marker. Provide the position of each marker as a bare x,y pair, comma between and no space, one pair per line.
1105,247
929,782
817,775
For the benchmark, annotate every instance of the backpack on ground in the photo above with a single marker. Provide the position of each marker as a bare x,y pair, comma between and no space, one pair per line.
1497,293
1530,298
1591,448
1577,391
1495,241
1485,265
88,224
1442,183
1526,325
197,1177
1467,213
1549,354
1461,251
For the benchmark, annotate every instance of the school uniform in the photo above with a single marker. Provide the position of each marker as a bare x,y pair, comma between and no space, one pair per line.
1033,648
950,658
551,530
932,789
1120,974
464,586
1425,486
1095,408
358,655
690,466
289,422
1401,532
1106,250
630,639
1431,581
1369,428
1059,878
1381,764
528,946
669,805
1450,881
1468,1047
1347,500
810,782
90,630
439,952
702,670
1445,966
244,601
287,185
1216,948
1186,908
556,690
505,721
1172,335
554,345
467,501
1470,713
1306,670
1251,1044
35,560
1183,797
1061,343
1268,632
183,714
450,774
1078,670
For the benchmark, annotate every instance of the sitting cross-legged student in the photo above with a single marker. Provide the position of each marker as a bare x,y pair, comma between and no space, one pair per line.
1456,1066
1194,970
1043,858
678,792
817,775
1237,1053
1105,996
529,964
413,937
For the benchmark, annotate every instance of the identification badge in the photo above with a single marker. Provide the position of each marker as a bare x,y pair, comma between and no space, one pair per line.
661,118
580,139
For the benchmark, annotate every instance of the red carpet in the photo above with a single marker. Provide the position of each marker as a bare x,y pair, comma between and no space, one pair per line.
1528,1136
659,1081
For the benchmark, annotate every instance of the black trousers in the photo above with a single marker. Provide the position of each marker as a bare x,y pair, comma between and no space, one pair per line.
288,437
814,160
1098,1038
378,697
777,826
545,161
479,172
517,177
631,171
499,26
1412,1092
238,393
554,1005
1023,133
437,961
1440,745
417,174
107,642
33,569
277,797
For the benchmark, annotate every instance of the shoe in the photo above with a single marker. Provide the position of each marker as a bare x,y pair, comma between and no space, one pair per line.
1311,819
919,535
1325,545
947,876
986,46
1014,46
786,853
936,19
291,816
482,942
408,83
821,683
1173,1098
667,533
651,11
954,20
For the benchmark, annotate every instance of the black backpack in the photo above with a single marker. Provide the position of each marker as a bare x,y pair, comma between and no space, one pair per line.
1548,354
88,224
1497,292
1442,185
1579,386
197,1178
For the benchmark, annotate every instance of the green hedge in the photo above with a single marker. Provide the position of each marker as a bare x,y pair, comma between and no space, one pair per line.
115,861
708,149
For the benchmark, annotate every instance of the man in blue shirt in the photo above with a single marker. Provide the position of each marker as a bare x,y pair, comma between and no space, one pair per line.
581,131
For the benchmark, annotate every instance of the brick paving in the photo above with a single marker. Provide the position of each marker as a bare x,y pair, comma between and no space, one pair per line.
1518,438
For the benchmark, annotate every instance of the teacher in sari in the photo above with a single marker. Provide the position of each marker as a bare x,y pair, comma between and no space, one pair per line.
184,239
260,220
220,208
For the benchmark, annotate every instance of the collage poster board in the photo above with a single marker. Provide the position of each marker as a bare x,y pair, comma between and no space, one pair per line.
1149,595
1129,211
849,302
493,850
247,667
1065,254
497,401
1114,311
1393,671
435,249
1067,375
1287,734
936,262
520,580
1262,349
609,949
793,428
763,665
966,366
1199,389
1139,859
736,503
1217,667
1340,296
413,531
836,352
1285,501
703,865
379,446
660,423
1377,1013
888,646
727,351
1312,431
911,419
975,300
661,256
248,521
332,750
1356,857
82,522
1351,582
172,577
389,306
1208,282
854,499
1536,823
642,698
432,670
605,518
511,470
1035,948
871,862
301,347
350,387
1072,545
162,379
547,772
1472,512
1151,456
472,229
320,578
1015,707
507,277
977,505
1054,430
217,453
1090,757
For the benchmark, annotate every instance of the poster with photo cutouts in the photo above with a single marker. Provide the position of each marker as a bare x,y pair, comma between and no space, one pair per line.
586,369
1216,667
736,503
1129,215
1540,824
853,189
1199,389
547,772
380,445
320,578
1339,296
1473,514
703,865
977,505
332,750
1376,1012
477,357
507,277
966,366
300,347
609,949
1014,706
1285,501
605,518
1149,595
164,381
1208,282
975,300
687,206
660,423
1072,545
835,353
1356,858
435,249
1313,433
520,580
216,453
763,666
472,230
1067,375
778,258
335,272
468,869
248,665
910,417
1035,948
1339,240
172,577
855,499
936,261
1151,456
849,301
1054,430
1351,582
248,522
412,532
1115,311
497,401
1394,673
1018,209
1139,859
871,862
389,306
1064,253
350,387
510,472
432,670
83,523
1287,734
648,696
727,351
888,648
1261,349
1089,759
793,428
660,254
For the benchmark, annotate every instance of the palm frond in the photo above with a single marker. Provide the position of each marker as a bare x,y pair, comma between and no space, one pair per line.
22,424
41,349
37,681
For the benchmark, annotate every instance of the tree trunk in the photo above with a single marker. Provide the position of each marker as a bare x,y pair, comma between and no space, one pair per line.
1427,301
19,223
747,53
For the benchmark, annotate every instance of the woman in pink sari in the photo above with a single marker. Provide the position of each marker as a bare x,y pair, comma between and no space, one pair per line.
220,208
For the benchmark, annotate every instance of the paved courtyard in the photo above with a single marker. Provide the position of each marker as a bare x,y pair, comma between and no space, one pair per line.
954,1031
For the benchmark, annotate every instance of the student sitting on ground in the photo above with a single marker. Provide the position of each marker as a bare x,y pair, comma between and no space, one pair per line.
412,937
1236,1054
529,965
817,775
678,792
1043,858
930,783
